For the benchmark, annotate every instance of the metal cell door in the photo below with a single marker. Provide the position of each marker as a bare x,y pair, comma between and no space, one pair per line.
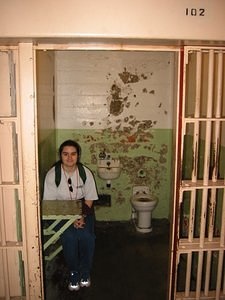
19,237
197,264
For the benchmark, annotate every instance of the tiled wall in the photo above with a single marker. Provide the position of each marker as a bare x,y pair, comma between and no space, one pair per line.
121,102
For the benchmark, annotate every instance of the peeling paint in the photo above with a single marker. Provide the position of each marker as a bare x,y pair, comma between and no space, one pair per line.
144,160
120,199
115,92
116,101
131,138
127,135
128,77
116,107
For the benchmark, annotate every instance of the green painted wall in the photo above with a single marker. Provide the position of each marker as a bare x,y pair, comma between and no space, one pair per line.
145,157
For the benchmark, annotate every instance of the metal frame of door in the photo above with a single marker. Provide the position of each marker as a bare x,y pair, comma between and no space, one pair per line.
20,247
198,235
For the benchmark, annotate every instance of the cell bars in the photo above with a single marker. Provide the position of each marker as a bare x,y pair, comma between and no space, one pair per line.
201,233
14,274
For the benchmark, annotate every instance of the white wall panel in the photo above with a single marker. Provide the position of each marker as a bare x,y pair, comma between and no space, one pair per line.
150,19
85,80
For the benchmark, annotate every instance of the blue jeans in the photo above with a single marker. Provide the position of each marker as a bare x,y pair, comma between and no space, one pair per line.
78,246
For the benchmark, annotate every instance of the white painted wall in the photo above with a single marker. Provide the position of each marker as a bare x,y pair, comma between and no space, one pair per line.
148,19
84,80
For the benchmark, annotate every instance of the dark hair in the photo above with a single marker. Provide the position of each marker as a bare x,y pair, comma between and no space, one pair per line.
73,144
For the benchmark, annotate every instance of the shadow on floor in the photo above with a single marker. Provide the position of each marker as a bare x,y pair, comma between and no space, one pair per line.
127,265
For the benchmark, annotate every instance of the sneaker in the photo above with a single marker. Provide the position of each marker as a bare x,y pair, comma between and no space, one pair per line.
74,282
85,281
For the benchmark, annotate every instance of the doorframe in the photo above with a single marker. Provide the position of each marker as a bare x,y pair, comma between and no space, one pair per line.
33,259
172,275
176,100
29,147
26,255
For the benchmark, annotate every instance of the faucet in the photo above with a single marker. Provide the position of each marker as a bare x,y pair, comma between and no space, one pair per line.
102,154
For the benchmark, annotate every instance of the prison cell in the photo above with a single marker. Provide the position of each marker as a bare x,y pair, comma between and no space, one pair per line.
200,243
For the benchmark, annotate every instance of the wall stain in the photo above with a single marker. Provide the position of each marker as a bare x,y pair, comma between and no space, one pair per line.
153,171
116,101
120,199
118,127
163,153
116,107
128,77
115,92
129,139
152,162
144,76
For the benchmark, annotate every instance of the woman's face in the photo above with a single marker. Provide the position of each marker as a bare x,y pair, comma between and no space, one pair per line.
69,156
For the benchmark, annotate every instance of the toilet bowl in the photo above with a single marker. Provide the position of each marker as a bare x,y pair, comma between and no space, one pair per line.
142,207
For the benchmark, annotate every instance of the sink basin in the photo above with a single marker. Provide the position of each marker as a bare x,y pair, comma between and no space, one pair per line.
109,169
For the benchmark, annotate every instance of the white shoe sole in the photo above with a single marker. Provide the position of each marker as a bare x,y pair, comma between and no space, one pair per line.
85,283
73,288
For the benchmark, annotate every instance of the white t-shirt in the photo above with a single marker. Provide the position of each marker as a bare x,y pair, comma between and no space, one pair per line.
87,191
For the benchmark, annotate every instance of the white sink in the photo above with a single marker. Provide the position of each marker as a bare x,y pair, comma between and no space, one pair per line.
108,169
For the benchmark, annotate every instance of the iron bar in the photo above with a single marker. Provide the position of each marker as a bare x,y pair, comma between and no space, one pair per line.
220,272
199,274
208,272
188,275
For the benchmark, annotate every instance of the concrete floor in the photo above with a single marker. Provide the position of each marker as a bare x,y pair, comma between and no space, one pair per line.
127,265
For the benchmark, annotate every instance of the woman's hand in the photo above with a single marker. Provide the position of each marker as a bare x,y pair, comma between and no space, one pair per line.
79,223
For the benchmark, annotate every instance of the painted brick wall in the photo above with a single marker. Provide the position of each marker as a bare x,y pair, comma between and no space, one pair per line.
104,89
121,102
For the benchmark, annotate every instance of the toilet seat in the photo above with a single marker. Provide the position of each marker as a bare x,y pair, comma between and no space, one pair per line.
142,206
143,203
142,198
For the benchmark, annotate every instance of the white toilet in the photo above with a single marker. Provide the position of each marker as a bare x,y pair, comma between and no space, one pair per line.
142,207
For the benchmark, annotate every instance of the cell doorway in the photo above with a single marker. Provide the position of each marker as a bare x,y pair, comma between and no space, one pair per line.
122,103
